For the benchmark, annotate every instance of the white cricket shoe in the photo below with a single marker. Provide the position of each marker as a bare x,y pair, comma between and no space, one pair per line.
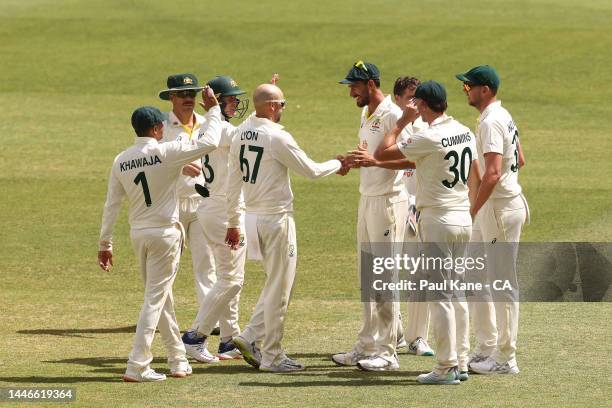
286,365
348,359
200,353
490,366
147,375
420,348
377,363
476,358
451,377
180,370
401,343
249,351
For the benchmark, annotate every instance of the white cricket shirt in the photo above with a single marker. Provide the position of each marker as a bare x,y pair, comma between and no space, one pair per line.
175,131
497,133
147,173
376,181
443,154
260,155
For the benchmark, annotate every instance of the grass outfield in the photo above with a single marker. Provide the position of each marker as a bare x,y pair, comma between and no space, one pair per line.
71,73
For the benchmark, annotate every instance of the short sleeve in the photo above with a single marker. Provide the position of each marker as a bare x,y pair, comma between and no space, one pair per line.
491,137
416,146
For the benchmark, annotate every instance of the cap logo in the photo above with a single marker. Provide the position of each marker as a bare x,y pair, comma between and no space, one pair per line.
360,64
233,84
187,81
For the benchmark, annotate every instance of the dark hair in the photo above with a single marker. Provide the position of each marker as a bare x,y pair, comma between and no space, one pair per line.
143,132
402,83
437,107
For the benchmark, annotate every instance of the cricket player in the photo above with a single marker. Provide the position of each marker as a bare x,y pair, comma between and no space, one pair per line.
221,302
148,173
500,211
184,125
417,313
381,217
260,157
445,158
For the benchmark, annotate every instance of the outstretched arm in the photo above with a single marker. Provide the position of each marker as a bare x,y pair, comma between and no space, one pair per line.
286,150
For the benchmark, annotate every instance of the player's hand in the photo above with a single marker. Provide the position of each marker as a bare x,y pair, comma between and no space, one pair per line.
361,156
208,98
275,78
411,112
232,238
105,259
192,169
344,169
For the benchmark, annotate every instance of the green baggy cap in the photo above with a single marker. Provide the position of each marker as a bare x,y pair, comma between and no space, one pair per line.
361,71
481,75
145,117
431,92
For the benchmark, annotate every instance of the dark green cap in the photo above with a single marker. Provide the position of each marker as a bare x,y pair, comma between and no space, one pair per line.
481,75
145,117
431,92
180,82
225,86
361,71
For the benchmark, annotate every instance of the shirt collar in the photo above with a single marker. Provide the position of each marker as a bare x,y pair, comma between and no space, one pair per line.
381,109
488,110
441,119
174,121
144,140
265,122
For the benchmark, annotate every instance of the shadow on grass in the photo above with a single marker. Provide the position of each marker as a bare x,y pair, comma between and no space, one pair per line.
57,380
99,362
79,332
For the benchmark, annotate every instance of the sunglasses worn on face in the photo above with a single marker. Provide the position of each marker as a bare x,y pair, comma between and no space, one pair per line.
186,94
281,101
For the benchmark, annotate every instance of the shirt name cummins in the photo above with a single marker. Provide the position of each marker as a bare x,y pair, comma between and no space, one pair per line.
455,140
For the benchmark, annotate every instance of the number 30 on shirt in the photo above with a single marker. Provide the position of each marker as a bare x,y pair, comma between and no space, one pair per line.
460,166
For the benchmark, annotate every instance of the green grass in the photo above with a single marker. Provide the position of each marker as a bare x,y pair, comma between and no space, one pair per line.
73,71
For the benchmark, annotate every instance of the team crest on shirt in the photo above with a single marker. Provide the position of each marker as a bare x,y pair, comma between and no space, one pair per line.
406,143
409,172
291,250
376,124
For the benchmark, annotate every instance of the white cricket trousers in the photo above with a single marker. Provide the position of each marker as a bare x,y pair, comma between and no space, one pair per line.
221,303
416,318
158,250
450,232
277,241
380,219
201,253
500,221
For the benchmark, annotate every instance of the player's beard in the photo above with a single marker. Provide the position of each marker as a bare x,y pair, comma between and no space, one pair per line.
363,101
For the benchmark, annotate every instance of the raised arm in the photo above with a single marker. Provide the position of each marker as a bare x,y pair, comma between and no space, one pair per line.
387,149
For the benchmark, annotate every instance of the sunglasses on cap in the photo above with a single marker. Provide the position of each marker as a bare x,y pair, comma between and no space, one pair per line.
282,102
189,93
